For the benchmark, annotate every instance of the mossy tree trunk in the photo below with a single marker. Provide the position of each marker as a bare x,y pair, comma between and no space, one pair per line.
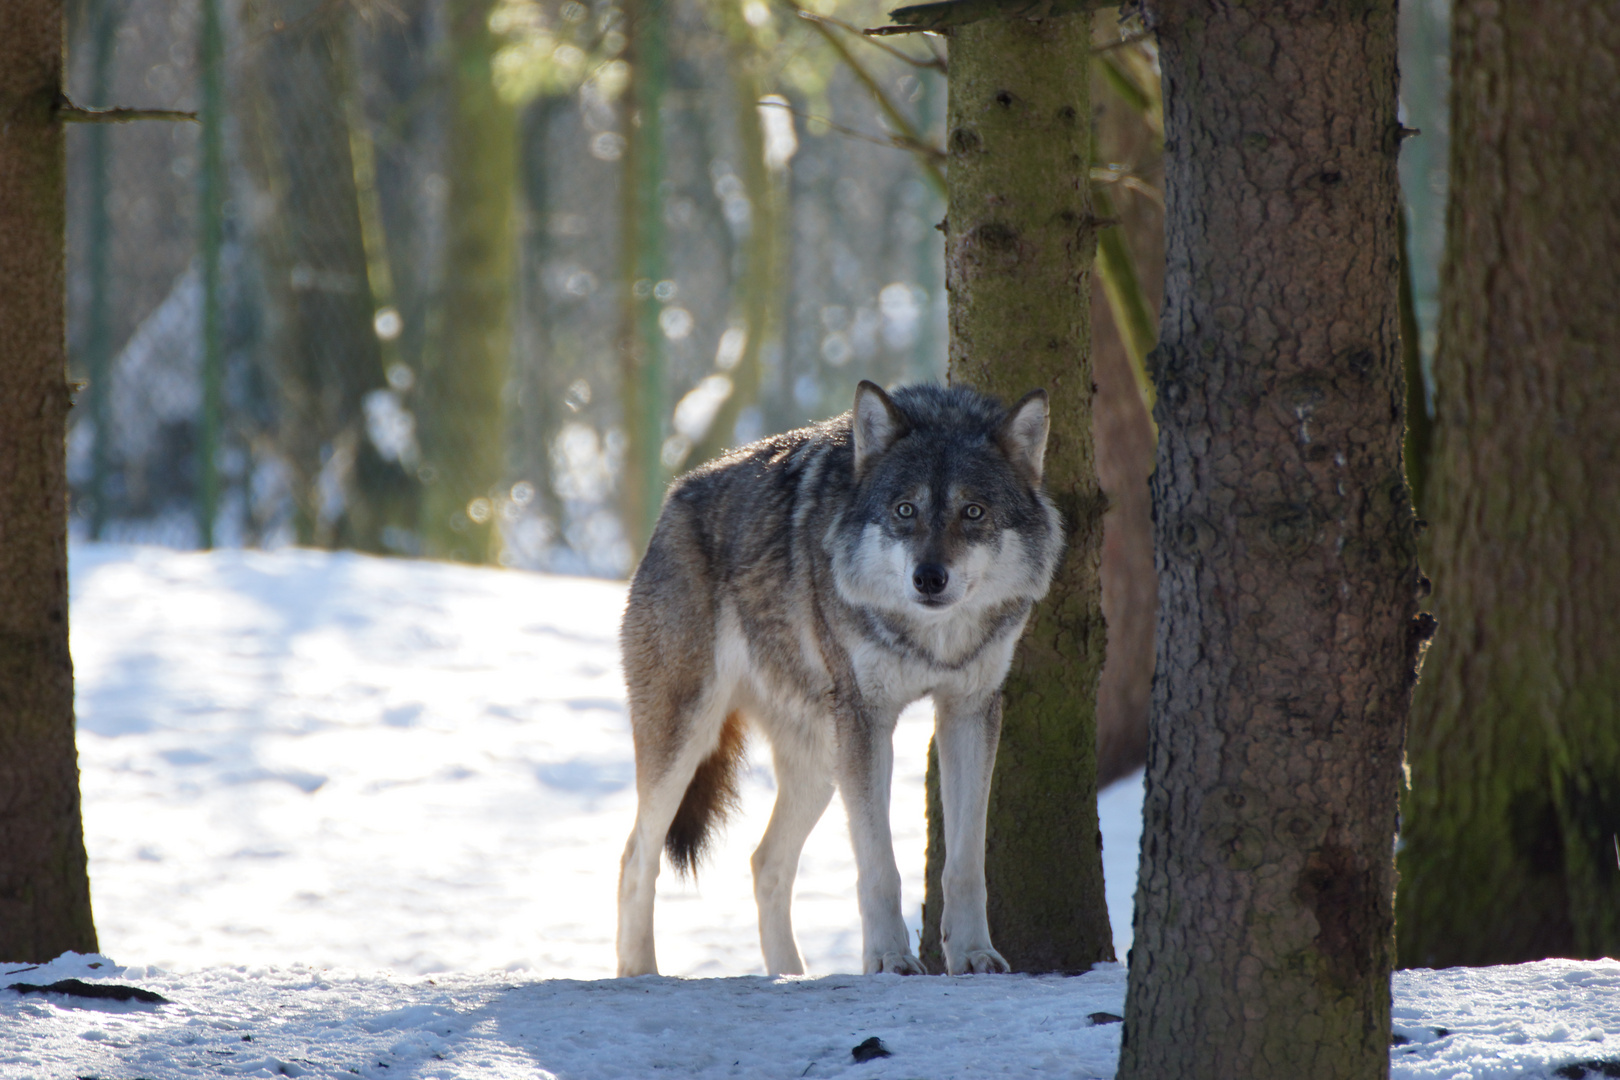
44,885
469,349
1509,845
1018,248
1285,548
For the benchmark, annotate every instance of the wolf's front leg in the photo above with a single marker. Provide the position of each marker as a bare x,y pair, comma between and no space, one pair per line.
968,731
865,768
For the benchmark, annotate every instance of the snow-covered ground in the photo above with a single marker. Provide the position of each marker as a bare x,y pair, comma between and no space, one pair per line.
317,785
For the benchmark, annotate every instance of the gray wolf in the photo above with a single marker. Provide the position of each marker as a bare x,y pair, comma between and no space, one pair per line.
813,584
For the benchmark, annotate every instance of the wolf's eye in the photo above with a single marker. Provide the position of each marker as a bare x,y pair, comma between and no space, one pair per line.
905,510
973,511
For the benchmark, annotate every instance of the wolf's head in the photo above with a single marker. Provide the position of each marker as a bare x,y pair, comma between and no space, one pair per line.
948,509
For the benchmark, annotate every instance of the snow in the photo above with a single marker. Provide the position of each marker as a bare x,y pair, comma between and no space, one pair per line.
363,816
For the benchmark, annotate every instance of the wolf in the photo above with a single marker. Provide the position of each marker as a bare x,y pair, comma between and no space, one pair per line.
812,585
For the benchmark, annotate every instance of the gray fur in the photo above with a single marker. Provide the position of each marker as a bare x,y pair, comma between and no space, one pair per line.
786,583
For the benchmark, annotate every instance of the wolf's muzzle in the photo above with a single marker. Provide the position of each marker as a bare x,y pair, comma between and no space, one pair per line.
930,579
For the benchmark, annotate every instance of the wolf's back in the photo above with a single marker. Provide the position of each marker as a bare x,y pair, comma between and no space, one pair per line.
737,533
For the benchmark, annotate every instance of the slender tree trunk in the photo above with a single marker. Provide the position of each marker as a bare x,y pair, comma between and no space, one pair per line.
324,352
761,290
105,15
1018,251
210,239
44,886
1510,831
1285,548
641,347
463,418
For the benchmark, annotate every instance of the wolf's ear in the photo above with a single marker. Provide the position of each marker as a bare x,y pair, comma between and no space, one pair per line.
1023,434
877,424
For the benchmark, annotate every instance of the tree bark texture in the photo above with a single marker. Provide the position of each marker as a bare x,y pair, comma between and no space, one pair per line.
1509,838
1285,548
324,356
44,883
1018,251
469,353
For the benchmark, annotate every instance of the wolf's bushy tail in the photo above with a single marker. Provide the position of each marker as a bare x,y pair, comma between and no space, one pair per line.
710,798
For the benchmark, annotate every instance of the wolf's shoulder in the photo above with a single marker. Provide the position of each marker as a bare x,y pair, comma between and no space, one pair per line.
784,463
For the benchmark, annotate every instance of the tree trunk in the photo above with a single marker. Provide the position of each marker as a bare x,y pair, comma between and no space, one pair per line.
1509,839
324,356
44,885
463,418
760,297
1285,549
641,223
1019,243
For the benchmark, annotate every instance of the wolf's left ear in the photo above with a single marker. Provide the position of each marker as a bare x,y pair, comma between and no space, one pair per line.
1023,434
877,424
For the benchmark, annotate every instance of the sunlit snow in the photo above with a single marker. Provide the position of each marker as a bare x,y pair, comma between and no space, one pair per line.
355,815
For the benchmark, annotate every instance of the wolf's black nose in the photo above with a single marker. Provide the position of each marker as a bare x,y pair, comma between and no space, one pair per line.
930,578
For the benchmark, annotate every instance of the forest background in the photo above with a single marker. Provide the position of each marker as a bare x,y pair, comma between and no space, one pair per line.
461,279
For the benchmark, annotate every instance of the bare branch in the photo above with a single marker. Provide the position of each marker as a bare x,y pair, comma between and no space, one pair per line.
73,114
944,14
892,140
897,119
934,61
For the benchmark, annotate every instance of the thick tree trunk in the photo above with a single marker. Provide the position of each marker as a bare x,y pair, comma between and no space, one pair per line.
1018,250
1509,845
469,354
44,886
1285,548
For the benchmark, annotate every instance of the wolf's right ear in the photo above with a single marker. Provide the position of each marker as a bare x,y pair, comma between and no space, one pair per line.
877,424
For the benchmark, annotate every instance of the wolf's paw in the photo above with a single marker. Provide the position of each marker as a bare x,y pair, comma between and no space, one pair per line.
896,963
981,962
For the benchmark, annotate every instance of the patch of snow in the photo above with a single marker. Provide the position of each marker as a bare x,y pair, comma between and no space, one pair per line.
313,781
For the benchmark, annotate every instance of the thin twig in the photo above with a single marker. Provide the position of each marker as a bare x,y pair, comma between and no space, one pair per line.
1129,180
1130,39
944,14
898,120
893,141
935,61
73,114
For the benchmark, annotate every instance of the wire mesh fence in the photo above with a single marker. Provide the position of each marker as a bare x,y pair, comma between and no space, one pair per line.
476,264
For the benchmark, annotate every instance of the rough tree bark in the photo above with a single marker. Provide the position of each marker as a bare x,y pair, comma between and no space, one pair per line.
1018,250
44,884
1285,548
1509,845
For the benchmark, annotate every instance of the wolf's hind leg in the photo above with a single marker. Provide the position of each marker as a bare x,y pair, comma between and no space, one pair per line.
660,793
803,790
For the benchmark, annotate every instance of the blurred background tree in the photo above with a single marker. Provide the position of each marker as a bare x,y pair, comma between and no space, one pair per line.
1511,837
422,267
